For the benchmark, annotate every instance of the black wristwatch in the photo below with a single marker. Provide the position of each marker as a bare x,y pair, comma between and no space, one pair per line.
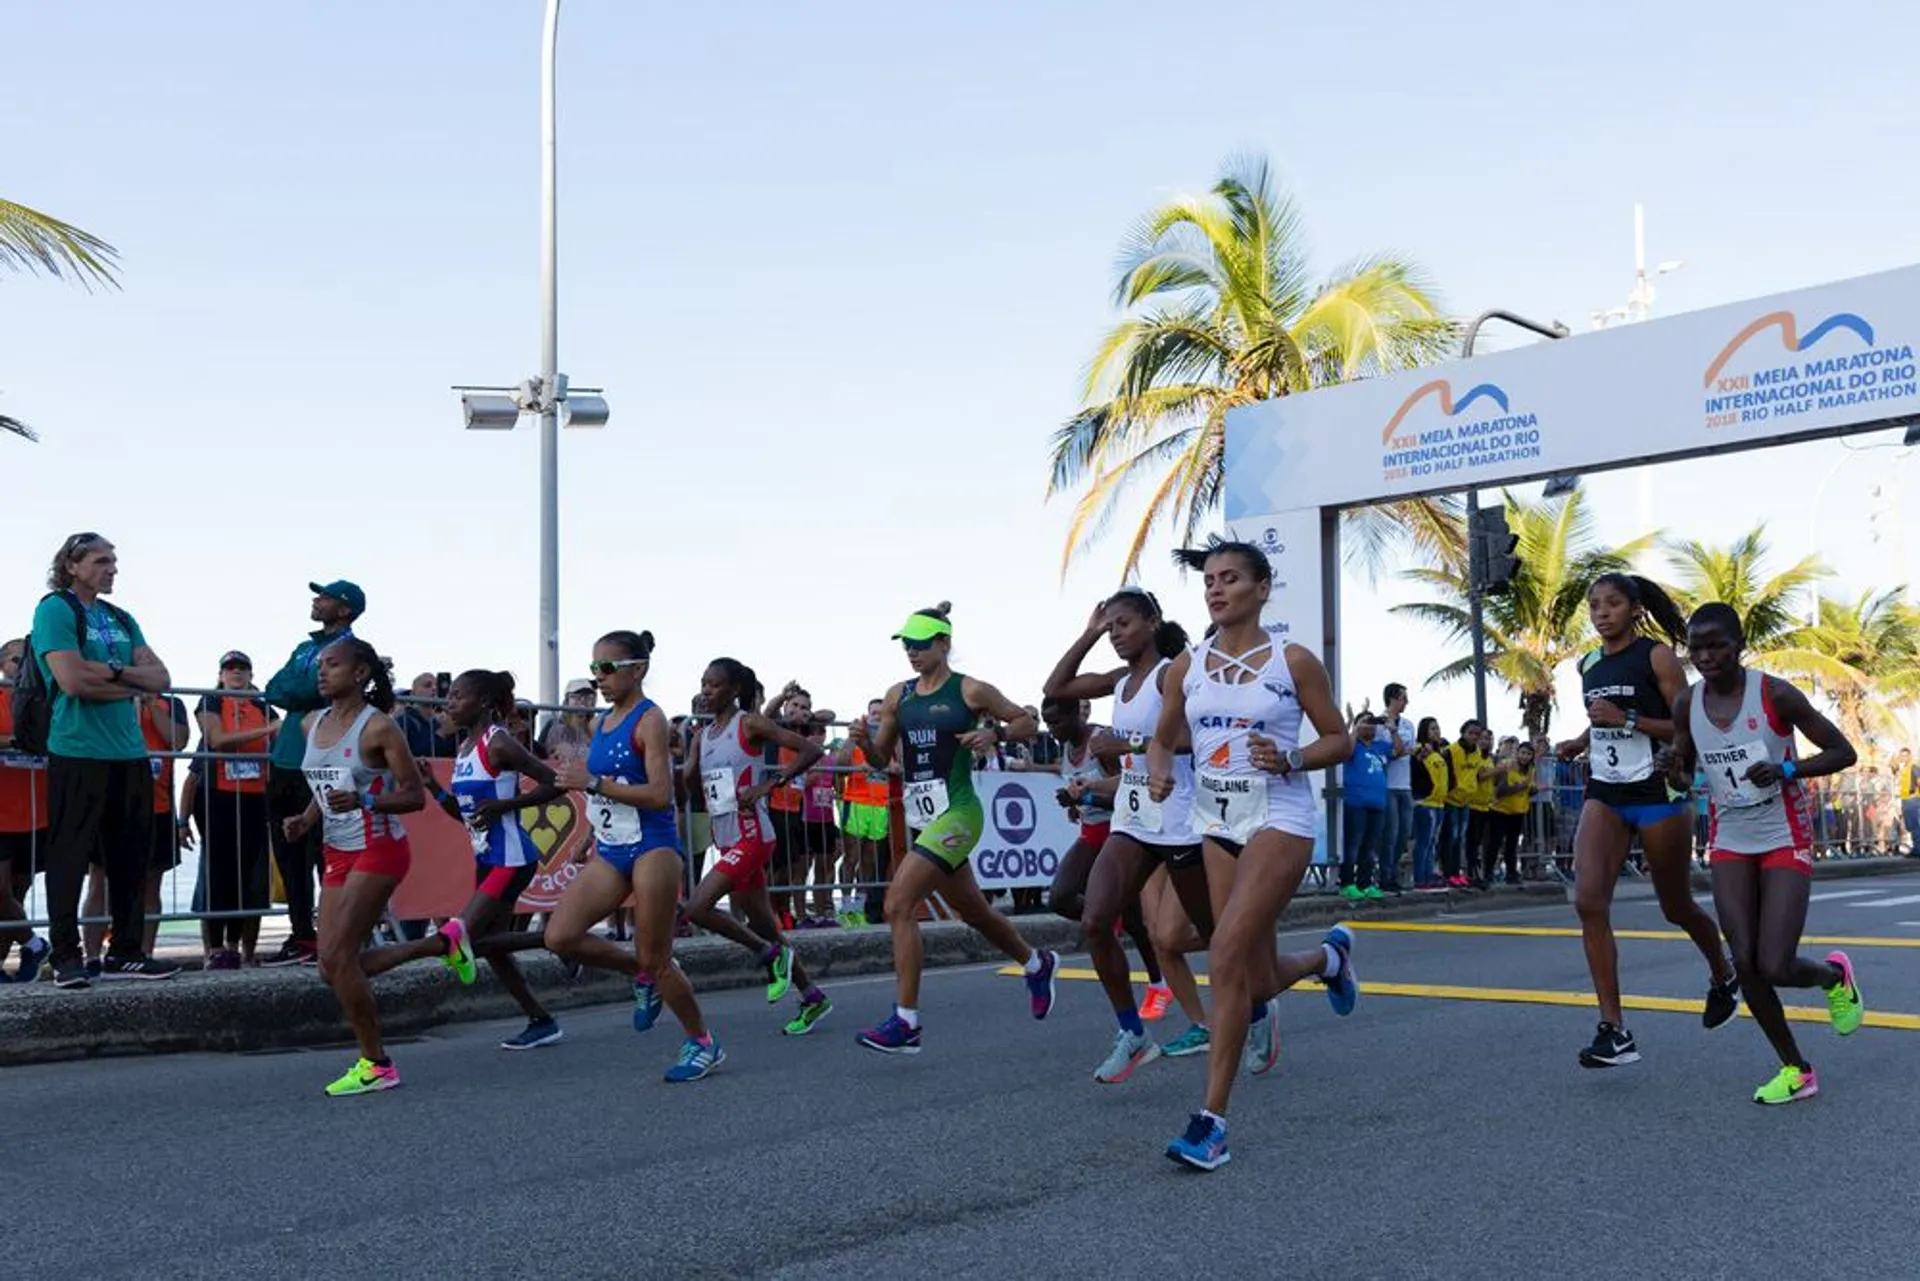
115,668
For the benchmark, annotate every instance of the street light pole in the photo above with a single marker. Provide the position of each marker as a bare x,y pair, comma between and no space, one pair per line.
550,391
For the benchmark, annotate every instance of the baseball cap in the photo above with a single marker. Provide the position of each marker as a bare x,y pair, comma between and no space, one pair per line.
234,658
921,627
348,594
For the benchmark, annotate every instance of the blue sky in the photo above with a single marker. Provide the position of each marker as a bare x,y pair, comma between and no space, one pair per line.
839,267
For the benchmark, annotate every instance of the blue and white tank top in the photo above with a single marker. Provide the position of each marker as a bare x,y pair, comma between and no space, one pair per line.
503,843
617,826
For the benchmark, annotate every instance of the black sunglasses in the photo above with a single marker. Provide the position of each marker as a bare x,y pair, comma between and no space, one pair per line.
604,667
916,646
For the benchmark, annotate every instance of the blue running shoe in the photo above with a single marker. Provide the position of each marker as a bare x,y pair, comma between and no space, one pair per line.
533,1036
697,1060
646,1005
33,954
1192,1041
1040,984
1343,990
1203,1146
1263,1041
892,1036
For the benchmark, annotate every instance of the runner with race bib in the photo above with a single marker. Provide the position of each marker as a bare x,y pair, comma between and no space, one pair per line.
628,781
1150,867
1739,726
1629,684
936,721
727,764
1240,699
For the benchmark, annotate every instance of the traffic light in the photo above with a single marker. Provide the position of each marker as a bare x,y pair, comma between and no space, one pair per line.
1491,561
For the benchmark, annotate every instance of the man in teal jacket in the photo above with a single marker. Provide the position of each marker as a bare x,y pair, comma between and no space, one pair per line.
295,690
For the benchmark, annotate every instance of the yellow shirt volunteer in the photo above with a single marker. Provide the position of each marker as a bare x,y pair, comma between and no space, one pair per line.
1462,763
1435,764
1480,793
1517,803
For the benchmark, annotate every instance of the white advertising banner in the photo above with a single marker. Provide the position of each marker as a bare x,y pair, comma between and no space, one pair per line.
1027,830
1793,366
1291,541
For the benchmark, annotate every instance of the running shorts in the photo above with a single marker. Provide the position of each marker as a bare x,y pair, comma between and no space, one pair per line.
745,864
949,840
21,848
1800,861
1642,816
384,856
503,884
1094,835
865,822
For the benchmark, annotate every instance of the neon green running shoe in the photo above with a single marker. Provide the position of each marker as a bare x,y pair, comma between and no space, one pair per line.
808,1016
1845,1009
459,957
1790,1086
780,974
367,1077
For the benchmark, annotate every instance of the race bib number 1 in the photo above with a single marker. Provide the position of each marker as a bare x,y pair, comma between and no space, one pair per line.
926,802
1229,806
1618,755
1133,805
1727,775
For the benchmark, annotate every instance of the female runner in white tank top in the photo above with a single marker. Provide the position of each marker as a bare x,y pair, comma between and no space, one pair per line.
1739,726
1240,698
1151,862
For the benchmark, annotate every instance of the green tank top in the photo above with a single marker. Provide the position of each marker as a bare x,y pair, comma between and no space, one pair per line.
930,729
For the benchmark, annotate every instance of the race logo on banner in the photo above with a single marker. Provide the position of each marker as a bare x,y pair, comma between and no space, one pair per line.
1027,830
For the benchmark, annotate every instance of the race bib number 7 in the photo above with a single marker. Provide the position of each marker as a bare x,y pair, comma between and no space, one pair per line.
1229,806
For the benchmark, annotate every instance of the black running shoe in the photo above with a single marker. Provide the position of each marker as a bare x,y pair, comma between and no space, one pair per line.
1723,1002
137,967
1612,1046
71,976
292,952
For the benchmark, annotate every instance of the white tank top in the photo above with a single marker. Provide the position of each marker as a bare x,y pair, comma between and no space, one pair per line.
727,768
341,768
1232,799
1156,823
1746,819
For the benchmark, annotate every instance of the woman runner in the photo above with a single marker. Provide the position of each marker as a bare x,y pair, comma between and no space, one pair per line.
628,779
939,719
726,764
1147,835
1739,726
485,796
362,776
1241,698
1630,684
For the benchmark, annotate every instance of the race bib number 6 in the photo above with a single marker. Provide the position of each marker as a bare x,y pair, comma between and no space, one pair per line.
1133,805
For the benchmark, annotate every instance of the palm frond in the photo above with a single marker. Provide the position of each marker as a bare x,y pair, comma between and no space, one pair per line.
34,242
17,427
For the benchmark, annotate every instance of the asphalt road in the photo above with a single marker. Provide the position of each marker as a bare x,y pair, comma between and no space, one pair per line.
1426,1136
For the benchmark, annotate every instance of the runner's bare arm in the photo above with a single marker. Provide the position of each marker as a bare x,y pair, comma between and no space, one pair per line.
1066,679
1171,729
1679,758
1836,752
1017,724
408,794
650,741
509,754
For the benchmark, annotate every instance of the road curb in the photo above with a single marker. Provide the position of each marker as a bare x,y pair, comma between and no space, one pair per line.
265,1010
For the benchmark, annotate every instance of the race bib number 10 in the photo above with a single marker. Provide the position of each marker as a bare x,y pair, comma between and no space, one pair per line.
926,801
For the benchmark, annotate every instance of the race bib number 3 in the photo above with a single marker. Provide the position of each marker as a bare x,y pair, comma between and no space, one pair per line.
1133,805
1619,756
1726,770
1229,806
722,799
926,802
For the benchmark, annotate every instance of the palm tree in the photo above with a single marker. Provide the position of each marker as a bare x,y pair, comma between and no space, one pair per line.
1221,312
1769,605
1864,654
1541,622
33,242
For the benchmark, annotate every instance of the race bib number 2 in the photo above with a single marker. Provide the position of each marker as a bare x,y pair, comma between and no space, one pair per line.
926,801
1229,806
1133,805
614,824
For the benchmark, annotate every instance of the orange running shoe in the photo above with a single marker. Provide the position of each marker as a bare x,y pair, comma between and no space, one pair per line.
1154,1005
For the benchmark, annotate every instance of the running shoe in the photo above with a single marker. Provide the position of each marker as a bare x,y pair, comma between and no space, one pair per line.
1612,1046
366,1077
802,1023
137,967
223,958
1194,1040
1154,1005
459,957
1790,1086
1203,1146
1263,1041
94,964
1351,893
1373,892
1845,1009
537,1033
780,974
1041,984
646,1005
697,1060
1129,1052
72,976
1343,989
892,1036
1723,1002
292,952
33,954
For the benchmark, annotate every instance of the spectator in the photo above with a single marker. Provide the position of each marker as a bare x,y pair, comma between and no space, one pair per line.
822,834
1397,825
99,786
294,688
1512,791
1480,802
418,723
23,826
1906,777
1430,784
1541,816
1363,789
233,820
865,826
1463,766
1041,754
565,737
164,728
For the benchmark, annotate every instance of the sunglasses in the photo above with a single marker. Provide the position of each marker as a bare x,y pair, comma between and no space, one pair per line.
916,646
604,667
79,543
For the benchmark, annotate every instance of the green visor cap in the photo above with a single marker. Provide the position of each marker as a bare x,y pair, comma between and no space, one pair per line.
921,627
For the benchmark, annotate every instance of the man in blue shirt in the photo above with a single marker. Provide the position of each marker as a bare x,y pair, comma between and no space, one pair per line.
295,689
99,786
1363,794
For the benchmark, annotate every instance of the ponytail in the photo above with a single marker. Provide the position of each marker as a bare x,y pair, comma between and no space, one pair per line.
378,688
747,691
1655,605
495,690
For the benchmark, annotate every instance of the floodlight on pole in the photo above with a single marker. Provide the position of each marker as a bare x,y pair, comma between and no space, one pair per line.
1561,486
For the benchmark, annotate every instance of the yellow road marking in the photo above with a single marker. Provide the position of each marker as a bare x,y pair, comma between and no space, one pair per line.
1563,932
1534,996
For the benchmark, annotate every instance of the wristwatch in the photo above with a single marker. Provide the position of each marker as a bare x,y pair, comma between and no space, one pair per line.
593,785
1633,721
1296,760
1136,742
114,669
